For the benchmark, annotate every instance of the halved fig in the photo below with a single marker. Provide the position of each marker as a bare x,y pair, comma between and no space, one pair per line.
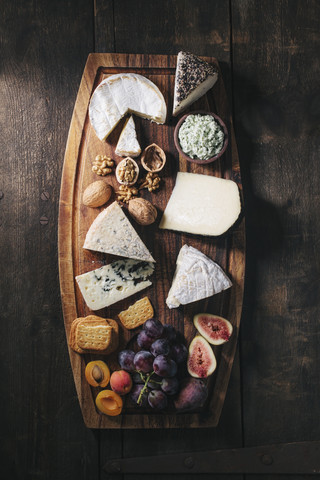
216,330
201,360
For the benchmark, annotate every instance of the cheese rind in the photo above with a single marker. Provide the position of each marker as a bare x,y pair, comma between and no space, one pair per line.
111,232
202,204
111,283
128,145
194,77
122,93
196,277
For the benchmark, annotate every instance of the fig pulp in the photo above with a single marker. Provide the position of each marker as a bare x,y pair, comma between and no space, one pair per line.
192,395
216,330
201,359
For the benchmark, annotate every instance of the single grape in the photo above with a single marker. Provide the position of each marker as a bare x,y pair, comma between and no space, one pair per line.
164,366
144,341
136,378
155,382
179,352
157,399
143,361
170,386
125,359
169,332
153,328
135,394
160,347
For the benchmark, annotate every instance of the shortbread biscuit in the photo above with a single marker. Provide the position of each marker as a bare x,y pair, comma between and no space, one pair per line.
137,314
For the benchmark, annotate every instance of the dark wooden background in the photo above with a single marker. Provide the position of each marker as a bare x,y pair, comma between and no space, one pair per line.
269,53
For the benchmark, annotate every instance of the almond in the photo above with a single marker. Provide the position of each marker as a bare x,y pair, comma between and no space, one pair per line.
96,194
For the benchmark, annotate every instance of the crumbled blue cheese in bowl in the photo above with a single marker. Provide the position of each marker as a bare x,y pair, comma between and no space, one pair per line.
201,136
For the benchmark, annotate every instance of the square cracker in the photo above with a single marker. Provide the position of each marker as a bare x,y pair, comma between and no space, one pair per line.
94,320
93,337
137,314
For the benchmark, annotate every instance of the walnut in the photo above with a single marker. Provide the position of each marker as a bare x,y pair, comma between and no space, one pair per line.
127,171
102,165
142,211
126,193
151,182
153,158
96,194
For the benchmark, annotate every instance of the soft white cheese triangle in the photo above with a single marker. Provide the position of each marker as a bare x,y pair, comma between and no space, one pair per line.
122,93
114,282
202,204
194,77
196,277
111,232
128,145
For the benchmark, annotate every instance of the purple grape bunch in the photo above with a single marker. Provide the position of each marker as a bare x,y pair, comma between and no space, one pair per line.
154,368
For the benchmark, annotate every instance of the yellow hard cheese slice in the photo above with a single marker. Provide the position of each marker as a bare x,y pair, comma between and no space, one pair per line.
202,204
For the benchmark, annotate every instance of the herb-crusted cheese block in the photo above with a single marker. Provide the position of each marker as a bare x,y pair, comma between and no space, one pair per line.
194,77
128,145
111,232
196,277
202,204
114,282
122,93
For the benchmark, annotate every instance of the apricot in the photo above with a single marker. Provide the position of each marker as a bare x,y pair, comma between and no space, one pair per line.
121,382
97,373
109,403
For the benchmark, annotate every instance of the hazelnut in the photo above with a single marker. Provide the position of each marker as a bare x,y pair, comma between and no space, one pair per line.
96,194
142,211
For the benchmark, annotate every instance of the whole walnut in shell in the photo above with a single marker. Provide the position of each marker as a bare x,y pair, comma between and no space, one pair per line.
96,194
142,211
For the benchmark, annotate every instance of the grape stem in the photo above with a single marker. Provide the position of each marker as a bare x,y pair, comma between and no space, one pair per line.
146,380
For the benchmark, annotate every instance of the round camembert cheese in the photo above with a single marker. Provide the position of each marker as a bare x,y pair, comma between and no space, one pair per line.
125,93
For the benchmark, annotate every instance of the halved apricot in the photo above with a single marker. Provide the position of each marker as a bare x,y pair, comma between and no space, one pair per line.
97,373
109,403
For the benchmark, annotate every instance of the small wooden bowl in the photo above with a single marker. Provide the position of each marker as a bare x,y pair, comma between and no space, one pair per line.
147,153
199,160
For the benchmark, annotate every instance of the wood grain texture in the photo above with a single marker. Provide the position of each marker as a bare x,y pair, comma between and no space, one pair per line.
75,219
42,432
277,121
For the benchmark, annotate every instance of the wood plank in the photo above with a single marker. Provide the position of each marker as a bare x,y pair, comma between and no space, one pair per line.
42,432
75,219
277,122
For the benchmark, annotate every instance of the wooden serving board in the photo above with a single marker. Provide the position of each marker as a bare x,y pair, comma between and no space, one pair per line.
75,219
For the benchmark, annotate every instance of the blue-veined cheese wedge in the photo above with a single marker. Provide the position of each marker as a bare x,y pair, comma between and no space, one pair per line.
111,283
124,93
111,232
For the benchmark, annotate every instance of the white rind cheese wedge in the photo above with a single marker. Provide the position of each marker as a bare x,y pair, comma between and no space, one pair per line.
114,282
111,232
128,145
202,204
196,277
122,93
194,77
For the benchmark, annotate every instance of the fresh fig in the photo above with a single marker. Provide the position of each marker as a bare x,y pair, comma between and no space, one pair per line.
216,330
201,359
193,394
